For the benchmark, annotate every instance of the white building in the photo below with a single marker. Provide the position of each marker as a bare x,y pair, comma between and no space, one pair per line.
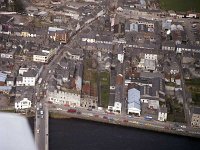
162,114
44,55
117,107
30,77
10,81
65,98
134,101
151,56
22,104
153,104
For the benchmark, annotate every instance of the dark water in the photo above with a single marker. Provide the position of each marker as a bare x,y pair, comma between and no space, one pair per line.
72,134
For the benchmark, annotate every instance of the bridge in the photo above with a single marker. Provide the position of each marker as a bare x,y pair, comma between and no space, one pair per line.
42,126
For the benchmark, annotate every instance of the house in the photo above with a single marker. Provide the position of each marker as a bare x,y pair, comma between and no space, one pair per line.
168,46
58,34
172,13
89,101
44,55
162,114
24,103
19,81
195,118
10,81
3,77
181,48
120,53
117,107
134,106
79,74
153,104
68,98
75,54
30,77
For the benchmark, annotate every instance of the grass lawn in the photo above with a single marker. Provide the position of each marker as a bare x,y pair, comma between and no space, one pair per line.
180,5
105,88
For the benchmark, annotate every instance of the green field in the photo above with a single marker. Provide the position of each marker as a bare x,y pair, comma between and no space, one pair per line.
180,5
105,88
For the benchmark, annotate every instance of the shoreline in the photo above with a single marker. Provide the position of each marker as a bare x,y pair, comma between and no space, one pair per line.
122,124
60,115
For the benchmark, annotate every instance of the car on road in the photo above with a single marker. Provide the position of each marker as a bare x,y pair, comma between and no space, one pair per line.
38,131
78,112
104,117
183,126
41,112
71,110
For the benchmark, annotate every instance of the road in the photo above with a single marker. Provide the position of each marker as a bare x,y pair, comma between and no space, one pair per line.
185,102
41,124
140,122
41,128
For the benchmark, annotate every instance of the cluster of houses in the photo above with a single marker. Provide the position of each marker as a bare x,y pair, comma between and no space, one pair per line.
129,50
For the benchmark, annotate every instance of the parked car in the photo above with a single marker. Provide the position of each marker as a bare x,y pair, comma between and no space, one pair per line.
71,110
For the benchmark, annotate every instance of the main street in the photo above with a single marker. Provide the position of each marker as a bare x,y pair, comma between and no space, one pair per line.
185,102
41,123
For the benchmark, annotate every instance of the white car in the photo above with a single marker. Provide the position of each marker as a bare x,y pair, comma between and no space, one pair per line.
38,131
41,112
183,126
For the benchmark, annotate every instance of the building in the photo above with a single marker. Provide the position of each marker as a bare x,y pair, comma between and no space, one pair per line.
10,81
24,103
162,114
65,98
134,106
44,56
195,119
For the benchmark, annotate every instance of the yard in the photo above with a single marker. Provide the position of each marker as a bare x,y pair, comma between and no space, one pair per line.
90,75
105,88
180,5
193,85
176,112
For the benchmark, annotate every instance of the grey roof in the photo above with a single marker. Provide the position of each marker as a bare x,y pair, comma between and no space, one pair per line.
169,43
151,75
79,69
113,74
111,98
10,79
30,73
19,78
196,110
163,109
104,46
118,93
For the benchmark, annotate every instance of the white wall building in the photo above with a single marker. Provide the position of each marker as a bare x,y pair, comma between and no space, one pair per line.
151,56
162,114
61,97
23,104
44,55
134,101
117,107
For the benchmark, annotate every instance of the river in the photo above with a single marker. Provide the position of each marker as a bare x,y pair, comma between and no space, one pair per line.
74,134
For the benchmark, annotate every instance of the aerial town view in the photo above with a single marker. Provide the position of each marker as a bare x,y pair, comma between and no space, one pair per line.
100,74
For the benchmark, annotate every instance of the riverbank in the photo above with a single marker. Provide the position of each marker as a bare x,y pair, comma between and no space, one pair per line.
59,115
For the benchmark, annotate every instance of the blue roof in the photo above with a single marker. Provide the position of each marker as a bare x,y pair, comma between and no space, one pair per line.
5,88
3,77
134,98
